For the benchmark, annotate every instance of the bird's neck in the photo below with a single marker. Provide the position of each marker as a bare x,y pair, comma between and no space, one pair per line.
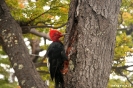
57,41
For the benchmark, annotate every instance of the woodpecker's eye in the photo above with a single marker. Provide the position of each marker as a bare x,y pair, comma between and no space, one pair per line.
57,33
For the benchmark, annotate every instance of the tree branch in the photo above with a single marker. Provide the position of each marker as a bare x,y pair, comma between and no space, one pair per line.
43,26
37,16
43,13
44,72
119,70
40,64
34,43
123,67
121,29
46,26
31,29
35,32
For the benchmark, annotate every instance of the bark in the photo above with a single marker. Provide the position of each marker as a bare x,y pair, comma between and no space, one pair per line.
13,44
92,26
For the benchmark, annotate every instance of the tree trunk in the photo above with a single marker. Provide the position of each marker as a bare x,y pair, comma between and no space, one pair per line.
13,44
92,26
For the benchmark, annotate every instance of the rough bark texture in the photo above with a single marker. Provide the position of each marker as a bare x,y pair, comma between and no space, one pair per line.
92,26
13,44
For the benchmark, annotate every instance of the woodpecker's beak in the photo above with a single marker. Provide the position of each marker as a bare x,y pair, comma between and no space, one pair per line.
64,34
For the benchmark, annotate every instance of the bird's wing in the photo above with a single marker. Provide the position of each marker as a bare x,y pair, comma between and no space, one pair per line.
55,55
58,62
53,69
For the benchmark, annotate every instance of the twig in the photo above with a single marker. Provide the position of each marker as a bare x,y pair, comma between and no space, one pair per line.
46,26
127,78
35,55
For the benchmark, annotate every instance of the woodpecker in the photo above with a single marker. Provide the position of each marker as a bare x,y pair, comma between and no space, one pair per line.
57,58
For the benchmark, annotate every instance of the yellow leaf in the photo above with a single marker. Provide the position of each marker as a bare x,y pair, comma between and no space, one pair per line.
126,15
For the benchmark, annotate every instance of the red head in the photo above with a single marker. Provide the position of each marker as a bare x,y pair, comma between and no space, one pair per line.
55,35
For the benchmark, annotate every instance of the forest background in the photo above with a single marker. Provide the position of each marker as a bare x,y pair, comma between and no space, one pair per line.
41,15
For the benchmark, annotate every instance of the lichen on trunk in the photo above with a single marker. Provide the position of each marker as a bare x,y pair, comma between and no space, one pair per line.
12,42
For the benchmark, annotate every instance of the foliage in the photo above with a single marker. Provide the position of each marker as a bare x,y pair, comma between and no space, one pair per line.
123,48
117,83
39,14
4,71
43,14
126,13
6,84
124,45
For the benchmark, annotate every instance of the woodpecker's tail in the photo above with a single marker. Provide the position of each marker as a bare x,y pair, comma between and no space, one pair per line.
59,81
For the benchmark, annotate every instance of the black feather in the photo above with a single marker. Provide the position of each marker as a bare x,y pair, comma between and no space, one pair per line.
57,56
